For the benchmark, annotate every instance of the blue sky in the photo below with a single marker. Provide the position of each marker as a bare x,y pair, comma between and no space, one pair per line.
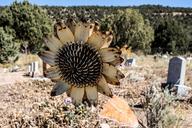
172,3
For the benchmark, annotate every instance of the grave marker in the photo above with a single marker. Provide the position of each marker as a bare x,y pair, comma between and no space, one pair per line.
176,71
29,70
176,76
33,68
130,62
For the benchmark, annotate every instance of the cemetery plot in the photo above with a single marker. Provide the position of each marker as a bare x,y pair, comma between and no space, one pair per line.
29,103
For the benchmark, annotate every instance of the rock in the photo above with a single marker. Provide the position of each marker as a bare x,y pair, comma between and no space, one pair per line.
182,90
104,125
15,68
117,109
165,56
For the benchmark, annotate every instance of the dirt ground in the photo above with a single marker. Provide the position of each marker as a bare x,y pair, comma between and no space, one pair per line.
11,78
25,102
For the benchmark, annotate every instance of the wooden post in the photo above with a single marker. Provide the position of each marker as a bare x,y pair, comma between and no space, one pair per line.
44,68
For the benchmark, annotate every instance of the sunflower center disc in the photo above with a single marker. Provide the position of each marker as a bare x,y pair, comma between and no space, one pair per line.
79,64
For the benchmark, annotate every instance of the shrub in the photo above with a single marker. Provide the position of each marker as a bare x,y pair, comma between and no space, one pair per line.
8,46
159,107
30,22
130,28
170,36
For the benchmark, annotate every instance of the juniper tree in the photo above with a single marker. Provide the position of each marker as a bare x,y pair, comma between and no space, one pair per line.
30,22
8,46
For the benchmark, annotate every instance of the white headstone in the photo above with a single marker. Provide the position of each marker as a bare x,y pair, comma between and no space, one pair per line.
33,68
29,68
36,66
176,71
165,56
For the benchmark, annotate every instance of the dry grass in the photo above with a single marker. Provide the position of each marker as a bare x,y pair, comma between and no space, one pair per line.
160,109
29,104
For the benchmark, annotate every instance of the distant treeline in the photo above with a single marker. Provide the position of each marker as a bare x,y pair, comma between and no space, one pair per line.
172,25
146,10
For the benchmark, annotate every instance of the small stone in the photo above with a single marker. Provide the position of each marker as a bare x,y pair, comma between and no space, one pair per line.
104,125
165,56
93,109
182,90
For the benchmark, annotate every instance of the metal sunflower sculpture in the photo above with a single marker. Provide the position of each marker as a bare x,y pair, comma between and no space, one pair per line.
81,62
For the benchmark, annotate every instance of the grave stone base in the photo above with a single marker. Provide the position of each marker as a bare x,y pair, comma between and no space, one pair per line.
172,89
179,90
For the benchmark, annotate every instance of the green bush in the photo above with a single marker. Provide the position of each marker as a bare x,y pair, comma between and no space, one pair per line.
30,22
170,36
130,28
160,108
8,46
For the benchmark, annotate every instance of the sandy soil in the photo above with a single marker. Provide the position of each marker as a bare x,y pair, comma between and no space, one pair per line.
12,77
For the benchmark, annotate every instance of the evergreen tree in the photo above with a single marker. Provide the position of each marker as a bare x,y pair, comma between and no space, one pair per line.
8,46
131,29
170,36
30,22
